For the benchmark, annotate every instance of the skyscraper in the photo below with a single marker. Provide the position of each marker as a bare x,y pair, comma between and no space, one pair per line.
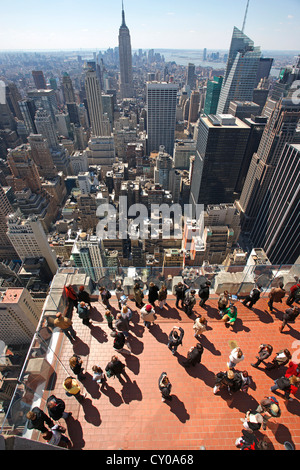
241,71
276,228
213,91
67,88
194,106
221,146
191,77
39,79
41,155
45,126
29,239
125,54
94,101
7,251
161,115
19,316
280,129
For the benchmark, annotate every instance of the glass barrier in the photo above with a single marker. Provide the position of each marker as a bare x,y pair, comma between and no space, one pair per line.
33,385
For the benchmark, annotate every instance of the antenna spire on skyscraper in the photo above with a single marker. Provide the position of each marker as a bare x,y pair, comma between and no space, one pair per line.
245,17
123,15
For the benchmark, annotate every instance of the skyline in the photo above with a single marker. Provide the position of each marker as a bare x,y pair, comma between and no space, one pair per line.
275,28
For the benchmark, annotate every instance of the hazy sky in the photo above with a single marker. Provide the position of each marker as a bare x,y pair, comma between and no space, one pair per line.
158,24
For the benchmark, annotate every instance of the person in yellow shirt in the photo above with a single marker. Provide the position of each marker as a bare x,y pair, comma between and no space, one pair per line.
72,388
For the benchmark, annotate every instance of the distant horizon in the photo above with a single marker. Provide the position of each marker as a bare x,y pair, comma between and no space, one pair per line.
90,49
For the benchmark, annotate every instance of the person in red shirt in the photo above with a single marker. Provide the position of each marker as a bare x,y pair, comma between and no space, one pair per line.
291,298
72,299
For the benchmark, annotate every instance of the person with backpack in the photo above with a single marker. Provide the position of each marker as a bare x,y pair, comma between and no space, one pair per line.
294,295
276,295
84,313
104,296
289,316
285,384
175,338
189,302
204,293
180,290
269,408
253,297
115,368
165,387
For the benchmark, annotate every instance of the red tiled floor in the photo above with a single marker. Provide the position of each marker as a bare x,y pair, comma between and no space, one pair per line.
131,416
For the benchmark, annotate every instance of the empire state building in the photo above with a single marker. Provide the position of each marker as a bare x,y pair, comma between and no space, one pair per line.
126,81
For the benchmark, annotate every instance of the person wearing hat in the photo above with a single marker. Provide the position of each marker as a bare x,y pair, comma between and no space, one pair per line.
84,296
66,326
252,421
268,408
148,315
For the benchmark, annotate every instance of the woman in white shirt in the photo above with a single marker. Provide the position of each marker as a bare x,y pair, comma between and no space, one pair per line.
235,357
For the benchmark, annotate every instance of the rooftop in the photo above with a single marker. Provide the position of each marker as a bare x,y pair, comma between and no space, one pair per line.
131,415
